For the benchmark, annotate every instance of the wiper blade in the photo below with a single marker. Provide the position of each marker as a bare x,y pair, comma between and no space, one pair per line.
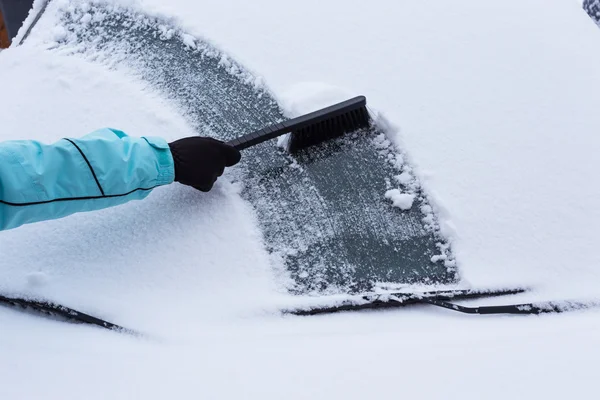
524,309
443,298
53,310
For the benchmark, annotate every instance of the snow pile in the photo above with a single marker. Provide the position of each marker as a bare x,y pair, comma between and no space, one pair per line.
404,201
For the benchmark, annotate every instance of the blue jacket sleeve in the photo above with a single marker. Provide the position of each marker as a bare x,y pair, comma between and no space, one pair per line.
103,169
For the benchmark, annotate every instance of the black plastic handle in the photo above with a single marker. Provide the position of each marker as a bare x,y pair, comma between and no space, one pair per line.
294,124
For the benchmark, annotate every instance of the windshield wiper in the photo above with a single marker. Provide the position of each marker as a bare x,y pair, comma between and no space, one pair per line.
444,298
57,310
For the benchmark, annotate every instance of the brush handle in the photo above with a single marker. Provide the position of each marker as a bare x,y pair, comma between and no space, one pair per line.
294,124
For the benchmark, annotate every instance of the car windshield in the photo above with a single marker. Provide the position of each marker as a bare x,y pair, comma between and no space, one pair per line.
322,212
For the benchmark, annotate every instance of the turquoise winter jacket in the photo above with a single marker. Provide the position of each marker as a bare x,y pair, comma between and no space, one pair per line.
103,169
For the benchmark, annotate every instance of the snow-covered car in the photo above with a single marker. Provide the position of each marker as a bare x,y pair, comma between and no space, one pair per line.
477,172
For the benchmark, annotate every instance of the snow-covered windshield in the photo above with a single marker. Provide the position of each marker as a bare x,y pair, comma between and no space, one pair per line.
323,213
494,107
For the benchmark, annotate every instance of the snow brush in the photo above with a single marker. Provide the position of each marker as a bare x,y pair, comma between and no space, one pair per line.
314,128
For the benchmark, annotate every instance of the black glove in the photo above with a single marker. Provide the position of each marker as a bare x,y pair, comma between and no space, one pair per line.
199,161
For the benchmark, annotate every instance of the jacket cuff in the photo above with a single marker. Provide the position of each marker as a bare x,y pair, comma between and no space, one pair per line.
164,158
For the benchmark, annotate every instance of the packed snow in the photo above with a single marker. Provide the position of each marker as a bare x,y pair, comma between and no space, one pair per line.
404,201
494,106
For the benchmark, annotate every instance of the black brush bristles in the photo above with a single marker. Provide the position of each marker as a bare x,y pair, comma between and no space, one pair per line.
314,128
328,129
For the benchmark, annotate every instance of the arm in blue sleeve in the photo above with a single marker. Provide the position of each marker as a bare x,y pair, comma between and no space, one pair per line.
103,169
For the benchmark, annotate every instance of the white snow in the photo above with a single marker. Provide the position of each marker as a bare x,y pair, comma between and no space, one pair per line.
189,41
404,201
305,97
495,105
59,33
37,279
404,178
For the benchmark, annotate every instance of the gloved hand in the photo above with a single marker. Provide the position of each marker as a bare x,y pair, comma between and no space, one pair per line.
199,161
